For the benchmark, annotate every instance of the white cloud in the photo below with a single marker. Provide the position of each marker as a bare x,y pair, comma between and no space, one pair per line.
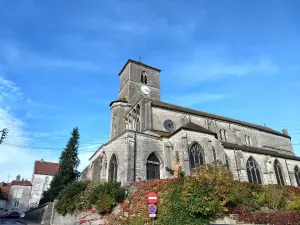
197,71
190,100
18,58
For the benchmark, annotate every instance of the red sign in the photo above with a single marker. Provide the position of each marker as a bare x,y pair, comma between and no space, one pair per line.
152,198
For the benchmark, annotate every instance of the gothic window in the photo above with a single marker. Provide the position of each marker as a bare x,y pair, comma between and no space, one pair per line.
227,162
113,168
142,78
137,124
153,167
248,140
297,175
126,124
223,135
130,122
214,153
138,109
278,172
253,171
196,155
145,79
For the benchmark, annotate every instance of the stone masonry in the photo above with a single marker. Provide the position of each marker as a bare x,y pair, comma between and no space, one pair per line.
139,127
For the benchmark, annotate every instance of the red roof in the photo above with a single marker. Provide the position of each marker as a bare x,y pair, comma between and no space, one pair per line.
45,168
21,182
5,191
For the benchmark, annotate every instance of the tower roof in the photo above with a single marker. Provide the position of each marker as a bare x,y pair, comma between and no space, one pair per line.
138,63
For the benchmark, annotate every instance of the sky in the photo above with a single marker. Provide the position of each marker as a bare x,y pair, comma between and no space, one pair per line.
59,65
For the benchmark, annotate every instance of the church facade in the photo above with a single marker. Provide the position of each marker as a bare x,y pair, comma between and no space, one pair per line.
148,135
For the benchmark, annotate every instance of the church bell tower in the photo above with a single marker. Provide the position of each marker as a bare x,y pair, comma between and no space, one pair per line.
136,76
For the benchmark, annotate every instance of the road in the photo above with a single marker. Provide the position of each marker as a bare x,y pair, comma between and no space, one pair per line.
12,221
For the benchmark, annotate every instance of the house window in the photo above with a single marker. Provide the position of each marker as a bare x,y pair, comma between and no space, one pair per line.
18,193
153,167
253,171
16,204
278,173
196,155
37,187
113,168
297,175
223,135
248,140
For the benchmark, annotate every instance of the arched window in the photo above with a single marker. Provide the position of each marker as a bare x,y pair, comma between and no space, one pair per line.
153,167
227,162
113,168
137,124
138,109
130,125
196,155
223,135
142,78
214,154
297,175
126,124
253,171
278,172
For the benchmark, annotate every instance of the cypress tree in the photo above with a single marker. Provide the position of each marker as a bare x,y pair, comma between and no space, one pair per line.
67,173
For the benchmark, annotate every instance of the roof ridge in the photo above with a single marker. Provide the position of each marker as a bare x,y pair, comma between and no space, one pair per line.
211,115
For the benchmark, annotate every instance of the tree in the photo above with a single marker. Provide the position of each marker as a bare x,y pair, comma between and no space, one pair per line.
67,173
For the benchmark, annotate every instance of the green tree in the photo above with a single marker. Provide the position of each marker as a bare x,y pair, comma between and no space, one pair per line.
67,173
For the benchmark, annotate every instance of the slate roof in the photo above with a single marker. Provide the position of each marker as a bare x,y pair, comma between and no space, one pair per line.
209,115
45,168
259,151
21,182
138,63
188,126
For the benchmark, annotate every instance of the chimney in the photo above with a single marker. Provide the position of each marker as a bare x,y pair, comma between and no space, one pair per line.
22,179
285,132
42,160
18,177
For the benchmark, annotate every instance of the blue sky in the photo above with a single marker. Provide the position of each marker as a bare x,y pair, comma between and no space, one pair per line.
59,62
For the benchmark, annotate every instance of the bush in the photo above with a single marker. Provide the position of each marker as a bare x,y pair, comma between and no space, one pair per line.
105,204
294,205
85,195
69,197
105,195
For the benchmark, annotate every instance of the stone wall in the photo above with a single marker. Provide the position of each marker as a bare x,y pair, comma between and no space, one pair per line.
41,214
235,132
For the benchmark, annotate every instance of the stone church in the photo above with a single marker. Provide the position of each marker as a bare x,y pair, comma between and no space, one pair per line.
148,135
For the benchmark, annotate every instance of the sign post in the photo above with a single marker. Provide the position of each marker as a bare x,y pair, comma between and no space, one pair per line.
152,200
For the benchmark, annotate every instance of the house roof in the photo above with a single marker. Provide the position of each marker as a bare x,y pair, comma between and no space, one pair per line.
259,151
4,191
209,115
45,168
138,63
21,182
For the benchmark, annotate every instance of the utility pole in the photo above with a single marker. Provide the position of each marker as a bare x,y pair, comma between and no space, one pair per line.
3,135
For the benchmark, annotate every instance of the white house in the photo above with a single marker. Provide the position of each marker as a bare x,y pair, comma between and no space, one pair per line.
42,175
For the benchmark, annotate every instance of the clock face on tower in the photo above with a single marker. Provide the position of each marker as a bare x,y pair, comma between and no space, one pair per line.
145,90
